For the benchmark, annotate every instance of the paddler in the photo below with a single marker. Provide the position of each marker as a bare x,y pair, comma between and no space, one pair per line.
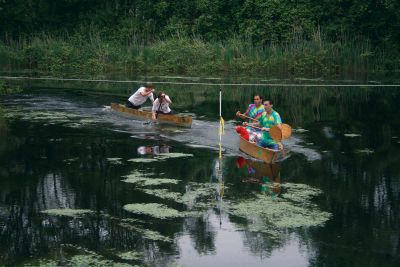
161,105
268,119
136,100
254,112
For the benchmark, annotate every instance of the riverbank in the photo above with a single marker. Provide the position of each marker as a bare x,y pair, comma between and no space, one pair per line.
87,57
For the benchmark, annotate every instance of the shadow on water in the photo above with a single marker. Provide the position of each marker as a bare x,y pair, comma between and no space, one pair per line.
333,202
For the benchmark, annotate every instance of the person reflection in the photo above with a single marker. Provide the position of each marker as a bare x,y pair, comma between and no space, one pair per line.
267,176
153,150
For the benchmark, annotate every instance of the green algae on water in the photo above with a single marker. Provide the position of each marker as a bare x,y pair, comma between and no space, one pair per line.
366,151
155,210
142,160
352,135
114,161
173,155
80,260
67,212
146,233
271,215
139,178
164,194
130,255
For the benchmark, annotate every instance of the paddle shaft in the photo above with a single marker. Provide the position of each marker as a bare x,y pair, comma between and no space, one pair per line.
241,115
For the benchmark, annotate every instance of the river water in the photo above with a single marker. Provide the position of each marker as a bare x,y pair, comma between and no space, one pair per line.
75,191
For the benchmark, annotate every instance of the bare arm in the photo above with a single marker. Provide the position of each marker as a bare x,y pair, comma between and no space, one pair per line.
146,93
168,99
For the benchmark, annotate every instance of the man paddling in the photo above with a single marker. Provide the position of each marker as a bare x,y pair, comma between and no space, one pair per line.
161,105
268,119
136,100
254,112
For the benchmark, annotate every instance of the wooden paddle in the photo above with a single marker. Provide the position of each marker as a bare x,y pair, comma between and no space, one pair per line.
244,116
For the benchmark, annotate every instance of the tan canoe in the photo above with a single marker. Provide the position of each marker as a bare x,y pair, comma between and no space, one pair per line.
265,154
179,120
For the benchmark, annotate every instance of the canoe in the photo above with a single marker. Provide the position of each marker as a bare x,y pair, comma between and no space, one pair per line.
265,154
179,120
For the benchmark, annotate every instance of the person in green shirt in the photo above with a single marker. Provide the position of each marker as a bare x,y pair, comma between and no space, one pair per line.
268,119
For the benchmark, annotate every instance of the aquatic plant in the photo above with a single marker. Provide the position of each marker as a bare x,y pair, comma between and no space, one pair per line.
114,161
139,178
67,212
173,155
155,210
164,194
146,233
130,255
273,214
143,160
366,151
352,135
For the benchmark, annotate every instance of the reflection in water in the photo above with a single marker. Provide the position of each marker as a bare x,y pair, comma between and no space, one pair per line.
267,176
153,150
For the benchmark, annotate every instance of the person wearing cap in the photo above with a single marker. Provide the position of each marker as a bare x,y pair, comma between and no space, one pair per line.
136,100
161,105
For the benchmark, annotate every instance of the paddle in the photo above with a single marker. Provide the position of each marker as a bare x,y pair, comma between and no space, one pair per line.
244,116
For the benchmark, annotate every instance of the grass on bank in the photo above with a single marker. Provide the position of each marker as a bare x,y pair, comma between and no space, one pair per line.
193,56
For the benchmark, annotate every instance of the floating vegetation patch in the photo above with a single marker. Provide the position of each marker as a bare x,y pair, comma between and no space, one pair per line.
366,151
143,160
271,215
67,212
351,135
300,130
164,194
140,179
51,117
199,194
173,155
114,161
146,233
155,210
70,160
129,255
80,260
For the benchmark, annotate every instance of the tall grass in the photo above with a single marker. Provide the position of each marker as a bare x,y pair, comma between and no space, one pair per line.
91,54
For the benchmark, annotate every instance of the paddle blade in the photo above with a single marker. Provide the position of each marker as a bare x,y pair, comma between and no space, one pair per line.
276,133
286,131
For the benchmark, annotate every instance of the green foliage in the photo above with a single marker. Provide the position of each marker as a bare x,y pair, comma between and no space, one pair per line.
5,89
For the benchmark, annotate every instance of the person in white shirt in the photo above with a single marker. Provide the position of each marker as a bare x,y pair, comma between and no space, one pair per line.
136,100
161,105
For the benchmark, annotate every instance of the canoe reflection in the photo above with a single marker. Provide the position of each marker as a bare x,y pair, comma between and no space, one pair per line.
153,150
258,172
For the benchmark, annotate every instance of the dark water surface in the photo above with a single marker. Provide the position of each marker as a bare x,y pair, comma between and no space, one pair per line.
334,200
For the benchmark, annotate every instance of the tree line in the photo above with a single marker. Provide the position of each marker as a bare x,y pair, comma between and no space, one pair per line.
261,21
